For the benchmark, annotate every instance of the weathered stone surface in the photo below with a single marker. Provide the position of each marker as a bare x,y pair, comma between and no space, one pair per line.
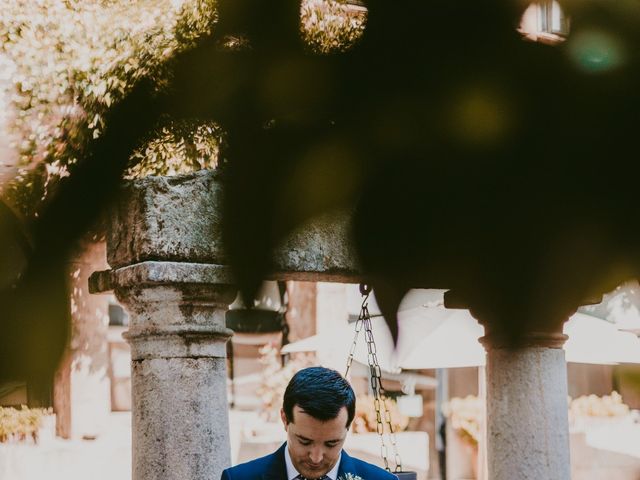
183,341
172,321
321,250
180,423
160,273
179,405
527,414
177,219
167,218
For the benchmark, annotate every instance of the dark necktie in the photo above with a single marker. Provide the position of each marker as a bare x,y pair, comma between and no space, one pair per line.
300,477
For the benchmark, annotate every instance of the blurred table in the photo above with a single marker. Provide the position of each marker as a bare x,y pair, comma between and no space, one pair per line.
606,448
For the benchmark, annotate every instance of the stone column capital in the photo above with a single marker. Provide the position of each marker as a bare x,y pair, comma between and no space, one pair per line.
529,340
159,273
177,308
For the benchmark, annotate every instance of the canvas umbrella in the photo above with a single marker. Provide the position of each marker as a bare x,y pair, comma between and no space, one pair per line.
436,337
453,343
415,323
338,343
597,341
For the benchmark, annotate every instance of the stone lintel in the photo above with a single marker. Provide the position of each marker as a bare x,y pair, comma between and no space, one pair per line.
320,250
178,219
326,276
180,273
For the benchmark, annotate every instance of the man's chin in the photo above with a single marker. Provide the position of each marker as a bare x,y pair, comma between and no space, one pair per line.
313,473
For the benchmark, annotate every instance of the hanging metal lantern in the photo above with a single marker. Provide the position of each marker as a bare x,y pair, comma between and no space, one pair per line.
267,314
258,325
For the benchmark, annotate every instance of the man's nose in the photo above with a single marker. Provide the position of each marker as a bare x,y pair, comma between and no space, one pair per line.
316,455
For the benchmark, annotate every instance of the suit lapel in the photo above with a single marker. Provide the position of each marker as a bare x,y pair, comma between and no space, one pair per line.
346,466
277,469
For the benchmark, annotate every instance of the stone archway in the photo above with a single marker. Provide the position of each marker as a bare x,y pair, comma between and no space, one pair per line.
169,269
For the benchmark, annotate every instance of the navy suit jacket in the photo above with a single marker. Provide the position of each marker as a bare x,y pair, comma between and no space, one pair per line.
273,467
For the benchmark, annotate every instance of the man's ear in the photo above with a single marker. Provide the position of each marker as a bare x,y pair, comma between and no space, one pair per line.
284,419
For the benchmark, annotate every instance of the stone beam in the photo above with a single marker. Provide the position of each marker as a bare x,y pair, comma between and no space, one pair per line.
178,219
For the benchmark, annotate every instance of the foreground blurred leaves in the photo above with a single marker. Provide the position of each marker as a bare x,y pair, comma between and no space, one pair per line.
473,159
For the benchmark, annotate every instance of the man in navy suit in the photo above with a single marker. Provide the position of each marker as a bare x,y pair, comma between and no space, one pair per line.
317,410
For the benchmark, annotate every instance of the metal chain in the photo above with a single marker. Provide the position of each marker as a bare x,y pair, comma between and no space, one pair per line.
359,323
375,378
392,435
376,383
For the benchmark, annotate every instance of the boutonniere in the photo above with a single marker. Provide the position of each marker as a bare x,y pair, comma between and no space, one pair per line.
350,476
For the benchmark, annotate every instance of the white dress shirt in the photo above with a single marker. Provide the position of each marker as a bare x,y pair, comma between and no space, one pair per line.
292,473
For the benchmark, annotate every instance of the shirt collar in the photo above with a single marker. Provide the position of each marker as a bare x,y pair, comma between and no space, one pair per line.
292,473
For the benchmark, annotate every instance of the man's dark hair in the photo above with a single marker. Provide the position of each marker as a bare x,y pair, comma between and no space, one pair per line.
321,393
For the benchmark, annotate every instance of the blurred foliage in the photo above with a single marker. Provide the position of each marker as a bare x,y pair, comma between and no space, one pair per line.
593,406
91,84
329,26
177,147
21,425
465,415
70,61
472,159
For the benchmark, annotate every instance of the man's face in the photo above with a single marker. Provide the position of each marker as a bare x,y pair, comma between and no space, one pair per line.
314,445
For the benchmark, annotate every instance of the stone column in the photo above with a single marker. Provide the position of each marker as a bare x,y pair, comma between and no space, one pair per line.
176,304
527,413
180,423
